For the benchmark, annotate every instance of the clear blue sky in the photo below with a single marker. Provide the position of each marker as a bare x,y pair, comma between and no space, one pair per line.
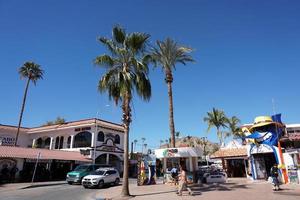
247,53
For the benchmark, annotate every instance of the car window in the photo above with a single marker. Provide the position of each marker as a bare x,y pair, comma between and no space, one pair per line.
81,168
98,172
110,172
90,168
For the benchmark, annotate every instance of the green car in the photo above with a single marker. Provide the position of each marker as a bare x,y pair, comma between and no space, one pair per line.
81,171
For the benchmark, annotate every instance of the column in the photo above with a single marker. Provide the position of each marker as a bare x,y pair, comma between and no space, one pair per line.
51,143
72,141
107,158
33,143
191,164
93,140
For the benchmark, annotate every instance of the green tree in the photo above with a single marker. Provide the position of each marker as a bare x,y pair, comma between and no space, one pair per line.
126,72
58,120
167,54
217,118
234,128
32,72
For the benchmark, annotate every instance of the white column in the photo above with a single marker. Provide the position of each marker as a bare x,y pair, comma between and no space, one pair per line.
33,143
72,141
51,143
107,158
165,164
191,164
93,140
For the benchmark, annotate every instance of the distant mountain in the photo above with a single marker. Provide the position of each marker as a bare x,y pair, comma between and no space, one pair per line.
192,141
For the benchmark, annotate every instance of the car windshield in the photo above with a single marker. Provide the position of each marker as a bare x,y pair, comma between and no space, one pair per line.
81,168
98,172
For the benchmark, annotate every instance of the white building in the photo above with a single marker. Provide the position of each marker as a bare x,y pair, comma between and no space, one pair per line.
93,139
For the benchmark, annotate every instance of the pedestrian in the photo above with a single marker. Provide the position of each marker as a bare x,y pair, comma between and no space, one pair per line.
174,174
13,172
274,175
183,181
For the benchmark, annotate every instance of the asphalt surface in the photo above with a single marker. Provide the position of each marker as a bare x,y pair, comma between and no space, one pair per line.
56,192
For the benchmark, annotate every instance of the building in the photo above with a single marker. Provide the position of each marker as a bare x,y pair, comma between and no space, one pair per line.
82,141
234,159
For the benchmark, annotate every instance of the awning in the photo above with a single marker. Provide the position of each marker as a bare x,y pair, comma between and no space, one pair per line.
230,153
45,154
178,152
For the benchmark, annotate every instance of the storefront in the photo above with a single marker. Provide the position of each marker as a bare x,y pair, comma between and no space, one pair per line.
174,157
18,163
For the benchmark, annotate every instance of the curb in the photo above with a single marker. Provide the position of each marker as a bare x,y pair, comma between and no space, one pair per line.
41,185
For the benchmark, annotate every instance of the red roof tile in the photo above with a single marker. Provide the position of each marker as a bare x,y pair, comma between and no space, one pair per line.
225,153
30,153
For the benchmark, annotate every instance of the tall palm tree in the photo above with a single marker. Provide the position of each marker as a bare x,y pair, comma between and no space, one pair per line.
126,72
167,54
234,128
218,119
143,141
160,143
135,141
32,72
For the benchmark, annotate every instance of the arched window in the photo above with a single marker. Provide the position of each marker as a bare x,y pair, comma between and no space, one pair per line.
47,143
83,139
69,142
39,143
61,142
117,139
100,137
57,142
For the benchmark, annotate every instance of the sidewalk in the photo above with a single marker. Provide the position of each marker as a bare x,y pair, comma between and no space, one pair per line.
233,189
18,186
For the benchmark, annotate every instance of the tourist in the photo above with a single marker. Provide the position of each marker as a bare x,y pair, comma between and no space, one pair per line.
274,175
183,181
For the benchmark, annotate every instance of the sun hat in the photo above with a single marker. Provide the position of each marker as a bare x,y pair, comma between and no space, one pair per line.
264,121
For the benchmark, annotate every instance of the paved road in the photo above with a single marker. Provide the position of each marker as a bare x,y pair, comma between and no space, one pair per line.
57,192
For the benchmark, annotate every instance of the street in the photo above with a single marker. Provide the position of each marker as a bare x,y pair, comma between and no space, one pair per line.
233,189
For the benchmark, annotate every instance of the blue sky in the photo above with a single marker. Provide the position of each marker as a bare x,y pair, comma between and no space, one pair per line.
246,52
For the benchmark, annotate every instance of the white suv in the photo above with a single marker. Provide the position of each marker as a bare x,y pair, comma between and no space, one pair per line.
100,177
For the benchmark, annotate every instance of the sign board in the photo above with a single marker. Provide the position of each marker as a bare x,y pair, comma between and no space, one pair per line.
7,140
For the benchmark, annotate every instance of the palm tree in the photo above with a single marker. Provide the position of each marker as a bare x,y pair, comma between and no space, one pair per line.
127,72
218,119
135,141
167,54
32,72
145,147
234,128
143,140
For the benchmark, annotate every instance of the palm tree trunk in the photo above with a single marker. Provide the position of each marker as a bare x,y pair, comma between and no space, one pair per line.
171,114
126,124
22,110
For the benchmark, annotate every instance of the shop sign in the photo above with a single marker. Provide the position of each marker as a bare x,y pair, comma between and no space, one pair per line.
262,148
7,140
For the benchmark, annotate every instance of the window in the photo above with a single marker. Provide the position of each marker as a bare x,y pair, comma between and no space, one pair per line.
69,142
57,142
47,143
110,172
82,139
117,139
61,142
39,143
100,137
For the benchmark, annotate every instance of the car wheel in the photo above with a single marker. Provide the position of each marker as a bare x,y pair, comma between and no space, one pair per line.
85,186
117,181
101,184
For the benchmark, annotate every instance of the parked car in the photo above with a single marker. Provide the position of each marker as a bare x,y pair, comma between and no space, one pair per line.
80,171
101,177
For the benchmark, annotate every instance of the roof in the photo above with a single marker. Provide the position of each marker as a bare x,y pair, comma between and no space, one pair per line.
84,122
32,153
9,127
226,153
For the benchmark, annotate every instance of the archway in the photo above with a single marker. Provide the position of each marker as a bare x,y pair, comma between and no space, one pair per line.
83,139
